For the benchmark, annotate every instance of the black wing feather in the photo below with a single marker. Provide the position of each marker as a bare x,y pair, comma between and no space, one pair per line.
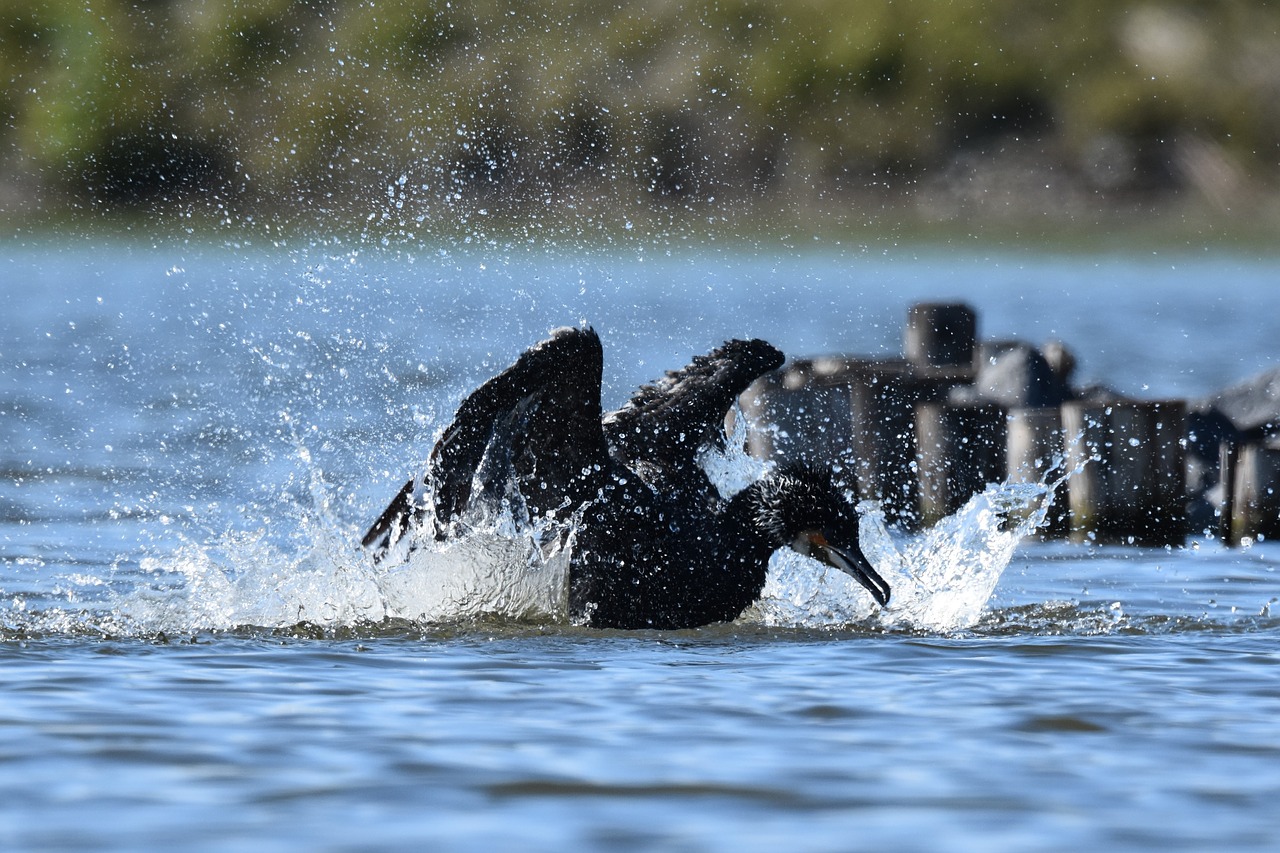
537,423
665,424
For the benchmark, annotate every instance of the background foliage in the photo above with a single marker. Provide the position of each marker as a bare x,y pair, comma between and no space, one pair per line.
413,112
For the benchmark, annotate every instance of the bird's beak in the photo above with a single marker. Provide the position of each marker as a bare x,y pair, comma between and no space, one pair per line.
853,563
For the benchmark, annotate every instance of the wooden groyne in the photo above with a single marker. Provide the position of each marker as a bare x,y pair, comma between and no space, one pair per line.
1128,481
923,433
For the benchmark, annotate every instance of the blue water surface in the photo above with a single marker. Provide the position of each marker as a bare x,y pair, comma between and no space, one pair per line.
165,402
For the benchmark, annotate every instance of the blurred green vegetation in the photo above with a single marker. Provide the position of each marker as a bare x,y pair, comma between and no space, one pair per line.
422,112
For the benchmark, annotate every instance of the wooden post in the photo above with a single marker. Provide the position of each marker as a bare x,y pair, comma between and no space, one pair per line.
1255,494
860,412
850,412
801,413
1128,479
959,450
883,397
1227,452
1034,443
941,334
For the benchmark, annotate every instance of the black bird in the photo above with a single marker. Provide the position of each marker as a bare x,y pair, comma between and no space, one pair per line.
655,545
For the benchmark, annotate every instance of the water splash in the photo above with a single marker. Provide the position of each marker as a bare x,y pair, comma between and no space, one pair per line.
947,575
247,581
500,569
942,579
505,569
486,574
732,469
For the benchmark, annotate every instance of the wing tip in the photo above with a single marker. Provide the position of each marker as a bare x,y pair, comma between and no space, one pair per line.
760,353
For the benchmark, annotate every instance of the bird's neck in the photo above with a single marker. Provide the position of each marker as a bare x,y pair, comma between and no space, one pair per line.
750,515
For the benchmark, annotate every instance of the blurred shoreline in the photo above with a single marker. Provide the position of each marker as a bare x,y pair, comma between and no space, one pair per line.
567,118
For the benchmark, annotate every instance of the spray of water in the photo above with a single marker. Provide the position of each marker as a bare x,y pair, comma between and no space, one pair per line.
499,569
942,579
504,569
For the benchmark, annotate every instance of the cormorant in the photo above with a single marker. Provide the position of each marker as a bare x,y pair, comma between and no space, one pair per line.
655,545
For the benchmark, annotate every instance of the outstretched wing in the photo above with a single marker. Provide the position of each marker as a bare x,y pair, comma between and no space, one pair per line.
665,425
535,426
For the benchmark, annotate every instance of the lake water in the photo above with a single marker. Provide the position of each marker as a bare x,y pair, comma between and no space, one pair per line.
194,655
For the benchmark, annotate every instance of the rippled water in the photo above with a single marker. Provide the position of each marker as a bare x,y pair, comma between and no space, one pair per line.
193,654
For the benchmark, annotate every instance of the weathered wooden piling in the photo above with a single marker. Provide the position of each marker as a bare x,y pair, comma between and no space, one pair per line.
1252,492
941,334
801,413
940,343
923,433
857,413
884,396
1128,474
1227,450
1034,445
959,450
860,413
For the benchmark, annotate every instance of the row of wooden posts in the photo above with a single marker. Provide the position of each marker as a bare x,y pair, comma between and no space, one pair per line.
890,423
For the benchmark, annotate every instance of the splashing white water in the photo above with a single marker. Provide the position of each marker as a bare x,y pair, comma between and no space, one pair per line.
493,571
733,469
246,581
942,579
486,573
946,575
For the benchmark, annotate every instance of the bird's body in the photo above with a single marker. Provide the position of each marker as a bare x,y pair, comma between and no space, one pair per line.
655,544
686,569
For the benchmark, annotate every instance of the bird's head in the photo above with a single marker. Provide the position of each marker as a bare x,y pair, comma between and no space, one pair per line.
800,507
